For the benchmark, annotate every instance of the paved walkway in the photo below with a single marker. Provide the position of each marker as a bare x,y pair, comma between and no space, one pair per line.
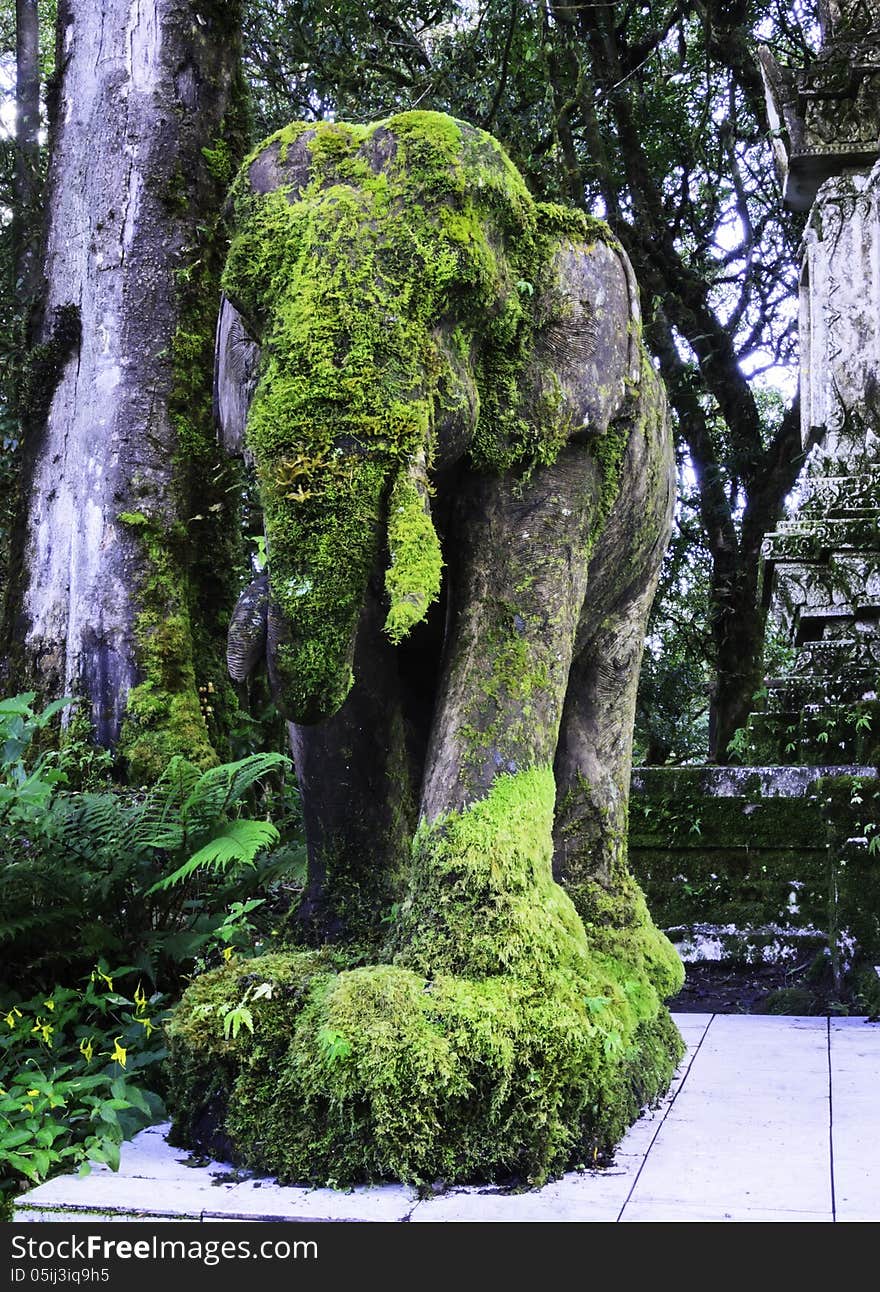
768,1119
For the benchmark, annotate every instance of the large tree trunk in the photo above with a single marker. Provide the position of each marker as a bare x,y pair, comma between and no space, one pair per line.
102,602
26,225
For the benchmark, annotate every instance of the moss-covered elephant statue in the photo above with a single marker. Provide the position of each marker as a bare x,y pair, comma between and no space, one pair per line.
466,476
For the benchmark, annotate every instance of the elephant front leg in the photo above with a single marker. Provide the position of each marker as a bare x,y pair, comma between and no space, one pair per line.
481,899
357,780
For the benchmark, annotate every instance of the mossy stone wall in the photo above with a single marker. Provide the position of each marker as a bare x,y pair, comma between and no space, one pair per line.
779,854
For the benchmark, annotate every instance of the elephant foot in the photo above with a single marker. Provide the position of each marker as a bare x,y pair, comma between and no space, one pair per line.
498,1042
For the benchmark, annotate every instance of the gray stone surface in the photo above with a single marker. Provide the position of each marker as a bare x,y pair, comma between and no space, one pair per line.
768,1119
824,562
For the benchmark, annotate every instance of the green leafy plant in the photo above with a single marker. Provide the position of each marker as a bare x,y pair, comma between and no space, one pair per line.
191,814
161,878
739,746
78,1067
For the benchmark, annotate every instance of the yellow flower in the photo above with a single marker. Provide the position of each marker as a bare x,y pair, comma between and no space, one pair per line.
118,1052
86,1048
28,1107
11,1016
147,1025
99,973
50,1004
46,1030
140,998
228,954
32,1093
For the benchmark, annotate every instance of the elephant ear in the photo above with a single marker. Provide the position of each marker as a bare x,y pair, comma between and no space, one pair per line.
236,363
412,580
246,637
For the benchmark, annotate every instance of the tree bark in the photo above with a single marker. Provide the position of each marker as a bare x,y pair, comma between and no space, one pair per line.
101,602
27,152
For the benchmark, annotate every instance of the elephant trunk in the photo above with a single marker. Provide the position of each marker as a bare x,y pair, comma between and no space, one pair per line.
325,541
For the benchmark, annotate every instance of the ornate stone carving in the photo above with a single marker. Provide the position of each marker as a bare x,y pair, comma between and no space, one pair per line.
823,565
827,117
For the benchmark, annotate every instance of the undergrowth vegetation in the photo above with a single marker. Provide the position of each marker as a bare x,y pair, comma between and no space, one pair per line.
163,881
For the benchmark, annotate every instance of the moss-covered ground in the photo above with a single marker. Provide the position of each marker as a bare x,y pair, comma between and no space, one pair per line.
498,1039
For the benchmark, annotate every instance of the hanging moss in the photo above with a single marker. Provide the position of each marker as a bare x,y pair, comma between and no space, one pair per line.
413,578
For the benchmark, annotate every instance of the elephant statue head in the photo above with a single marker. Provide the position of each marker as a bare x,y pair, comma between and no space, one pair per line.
408,306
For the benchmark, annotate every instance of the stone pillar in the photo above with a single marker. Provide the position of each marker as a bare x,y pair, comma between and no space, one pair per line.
822,567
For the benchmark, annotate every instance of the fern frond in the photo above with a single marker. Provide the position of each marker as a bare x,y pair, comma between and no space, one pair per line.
14,928
220,788
156,822
237,844
90,825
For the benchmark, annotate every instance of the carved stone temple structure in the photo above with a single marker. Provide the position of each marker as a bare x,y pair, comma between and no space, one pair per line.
823,566
779,861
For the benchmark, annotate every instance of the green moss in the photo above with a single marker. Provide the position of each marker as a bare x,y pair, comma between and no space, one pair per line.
501,1041
220,162
342,272
569,222
163,715
482,900
413,577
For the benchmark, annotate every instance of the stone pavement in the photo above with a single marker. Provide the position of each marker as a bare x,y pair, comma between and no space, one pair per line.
769,1118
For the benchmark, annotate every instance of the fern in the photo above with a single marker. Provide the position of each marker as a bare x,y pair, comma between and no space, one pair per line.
237,843
220,788
148,878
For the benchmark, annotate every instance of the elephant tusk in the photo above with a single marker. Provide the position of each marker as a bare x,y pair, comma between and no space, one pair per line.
246,636
412,579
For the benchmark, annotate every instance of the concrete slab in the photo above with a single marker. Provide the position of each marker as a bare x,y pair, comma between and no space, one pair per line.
854,1048
665,1212
855,1076
745,1133
153,1181
256,1200
691,1161
150,1157
82,1216
577,1197
110,1193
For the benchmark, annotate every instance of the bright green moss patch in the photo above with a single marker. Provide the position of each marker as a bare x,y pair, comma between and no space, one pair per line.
499,1043
366,237
413,577
482,899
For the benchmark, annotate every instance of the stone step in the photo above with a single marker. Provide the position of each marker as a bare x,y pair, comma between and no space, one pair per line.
770,944
770,781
